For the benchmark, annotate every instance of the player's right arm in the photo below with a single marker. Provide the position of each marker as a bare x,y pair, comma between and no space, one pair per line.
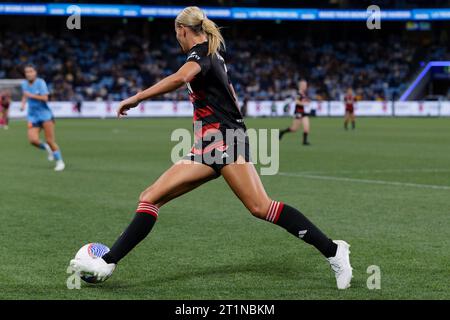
185,74
23,103
24,98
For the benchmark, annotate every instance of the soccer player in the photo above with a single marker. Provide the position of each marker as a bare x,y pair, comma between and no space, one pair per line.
349,101
301,117
35,92
216,106
5,102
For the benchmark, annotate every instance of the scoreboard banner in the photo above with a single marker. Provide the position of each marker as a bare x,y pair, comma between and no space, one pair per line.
96,109
238,13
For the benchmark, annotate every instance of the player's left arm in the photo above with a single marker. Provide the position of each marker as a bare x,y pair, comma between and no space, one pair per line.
43,92
43,97
185,74
233,92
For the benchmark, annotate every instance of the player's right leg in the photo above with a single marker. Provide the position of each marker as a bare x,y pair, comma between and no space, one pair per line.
6,118
49,131
246,184
352,118
34,129
181,178
346,119
2,117
296,123
306,130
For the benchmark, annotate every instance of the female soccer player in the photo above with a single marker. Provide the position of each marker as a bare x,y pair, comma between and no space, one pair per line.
349,101
301,117
5,102
215,105
35,92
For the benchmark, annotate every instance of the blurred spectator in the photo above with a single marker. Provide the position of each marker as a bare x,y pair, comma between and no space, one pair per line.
116,65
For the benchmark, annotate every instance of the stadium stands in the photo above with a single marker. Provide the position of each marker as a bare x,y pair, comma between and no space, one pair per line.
94,66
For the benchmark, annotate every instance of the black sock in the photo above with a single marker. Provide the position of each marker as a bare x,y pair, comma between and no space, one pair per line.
305,137
353,124
136,231
346,125
297,224
283,132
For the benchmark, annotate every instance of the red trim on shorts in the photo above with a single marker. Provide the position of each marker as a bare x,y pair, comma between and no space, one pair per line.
210,147
206,129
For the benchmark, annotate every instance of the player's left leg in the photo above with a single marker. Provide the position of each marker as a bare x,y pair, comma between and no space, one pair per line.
306,130
246,184
179,179
353,119
346,119
6,118
2,119
33,137
49,131
296,123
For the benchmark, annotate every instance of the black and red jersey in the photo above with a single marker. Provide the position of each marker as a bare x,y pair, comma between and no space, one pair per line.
300,102
210,93
349,101
4,101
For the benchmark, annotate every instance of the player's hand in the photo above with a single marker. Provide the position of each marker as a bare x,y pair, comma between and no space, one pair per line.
28,94
126,105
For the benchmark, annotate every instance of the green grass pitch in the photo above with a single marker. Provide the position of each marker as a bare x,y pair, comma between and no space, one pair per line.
372,187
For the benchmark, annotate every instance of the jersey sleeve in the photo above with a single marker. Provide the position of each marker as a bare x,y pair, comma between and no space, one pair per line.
23,86
201,58
43,89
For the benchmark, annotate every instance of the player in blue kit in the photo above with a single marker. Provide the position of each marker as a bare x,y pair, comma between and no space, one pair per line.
36,93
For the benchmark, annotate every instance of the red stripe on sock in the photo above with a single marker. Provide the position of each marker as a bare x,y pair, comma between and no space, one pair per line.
147,207
269,213
277,215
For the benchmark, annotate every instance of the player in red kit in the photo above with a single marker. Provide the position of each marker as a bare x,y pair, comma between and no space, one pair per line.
301,115
349,101
215,111
5,101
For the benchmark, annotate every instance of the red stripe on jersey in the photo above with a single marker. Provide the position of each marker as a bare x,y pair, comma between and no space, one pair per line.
201,113
210,147
207,129
196,96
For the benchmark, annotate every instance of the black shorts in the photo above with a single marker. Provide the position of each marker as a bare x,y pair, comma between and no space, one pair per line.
299,115
219,155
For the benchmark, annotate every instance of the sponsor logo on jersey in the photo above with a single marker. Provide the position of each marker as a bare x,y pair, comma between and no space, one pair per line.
194,55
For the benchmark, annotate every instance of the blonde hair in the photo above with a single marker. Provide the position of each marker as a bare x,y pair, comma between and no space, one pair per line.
196,19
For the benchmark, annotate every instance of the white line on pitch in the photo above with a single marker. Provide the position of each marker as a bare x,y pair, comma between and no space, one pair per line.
377,171
391,183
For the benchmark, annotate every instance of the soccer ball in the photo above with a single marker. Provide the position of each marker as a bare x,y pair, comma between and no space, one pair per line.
89,252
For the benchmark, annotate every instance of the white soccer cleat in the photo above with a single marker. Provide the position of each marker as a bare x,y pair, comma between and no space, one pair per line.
93,267
50,156
340,264
60,165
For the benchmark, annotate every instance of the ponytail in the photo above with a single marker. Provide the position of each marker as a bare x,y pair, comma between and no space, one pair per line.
195,18
215,38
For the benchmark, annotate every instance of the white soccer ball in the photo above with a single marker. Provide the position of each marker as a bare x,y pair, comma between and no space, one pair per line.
88,252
